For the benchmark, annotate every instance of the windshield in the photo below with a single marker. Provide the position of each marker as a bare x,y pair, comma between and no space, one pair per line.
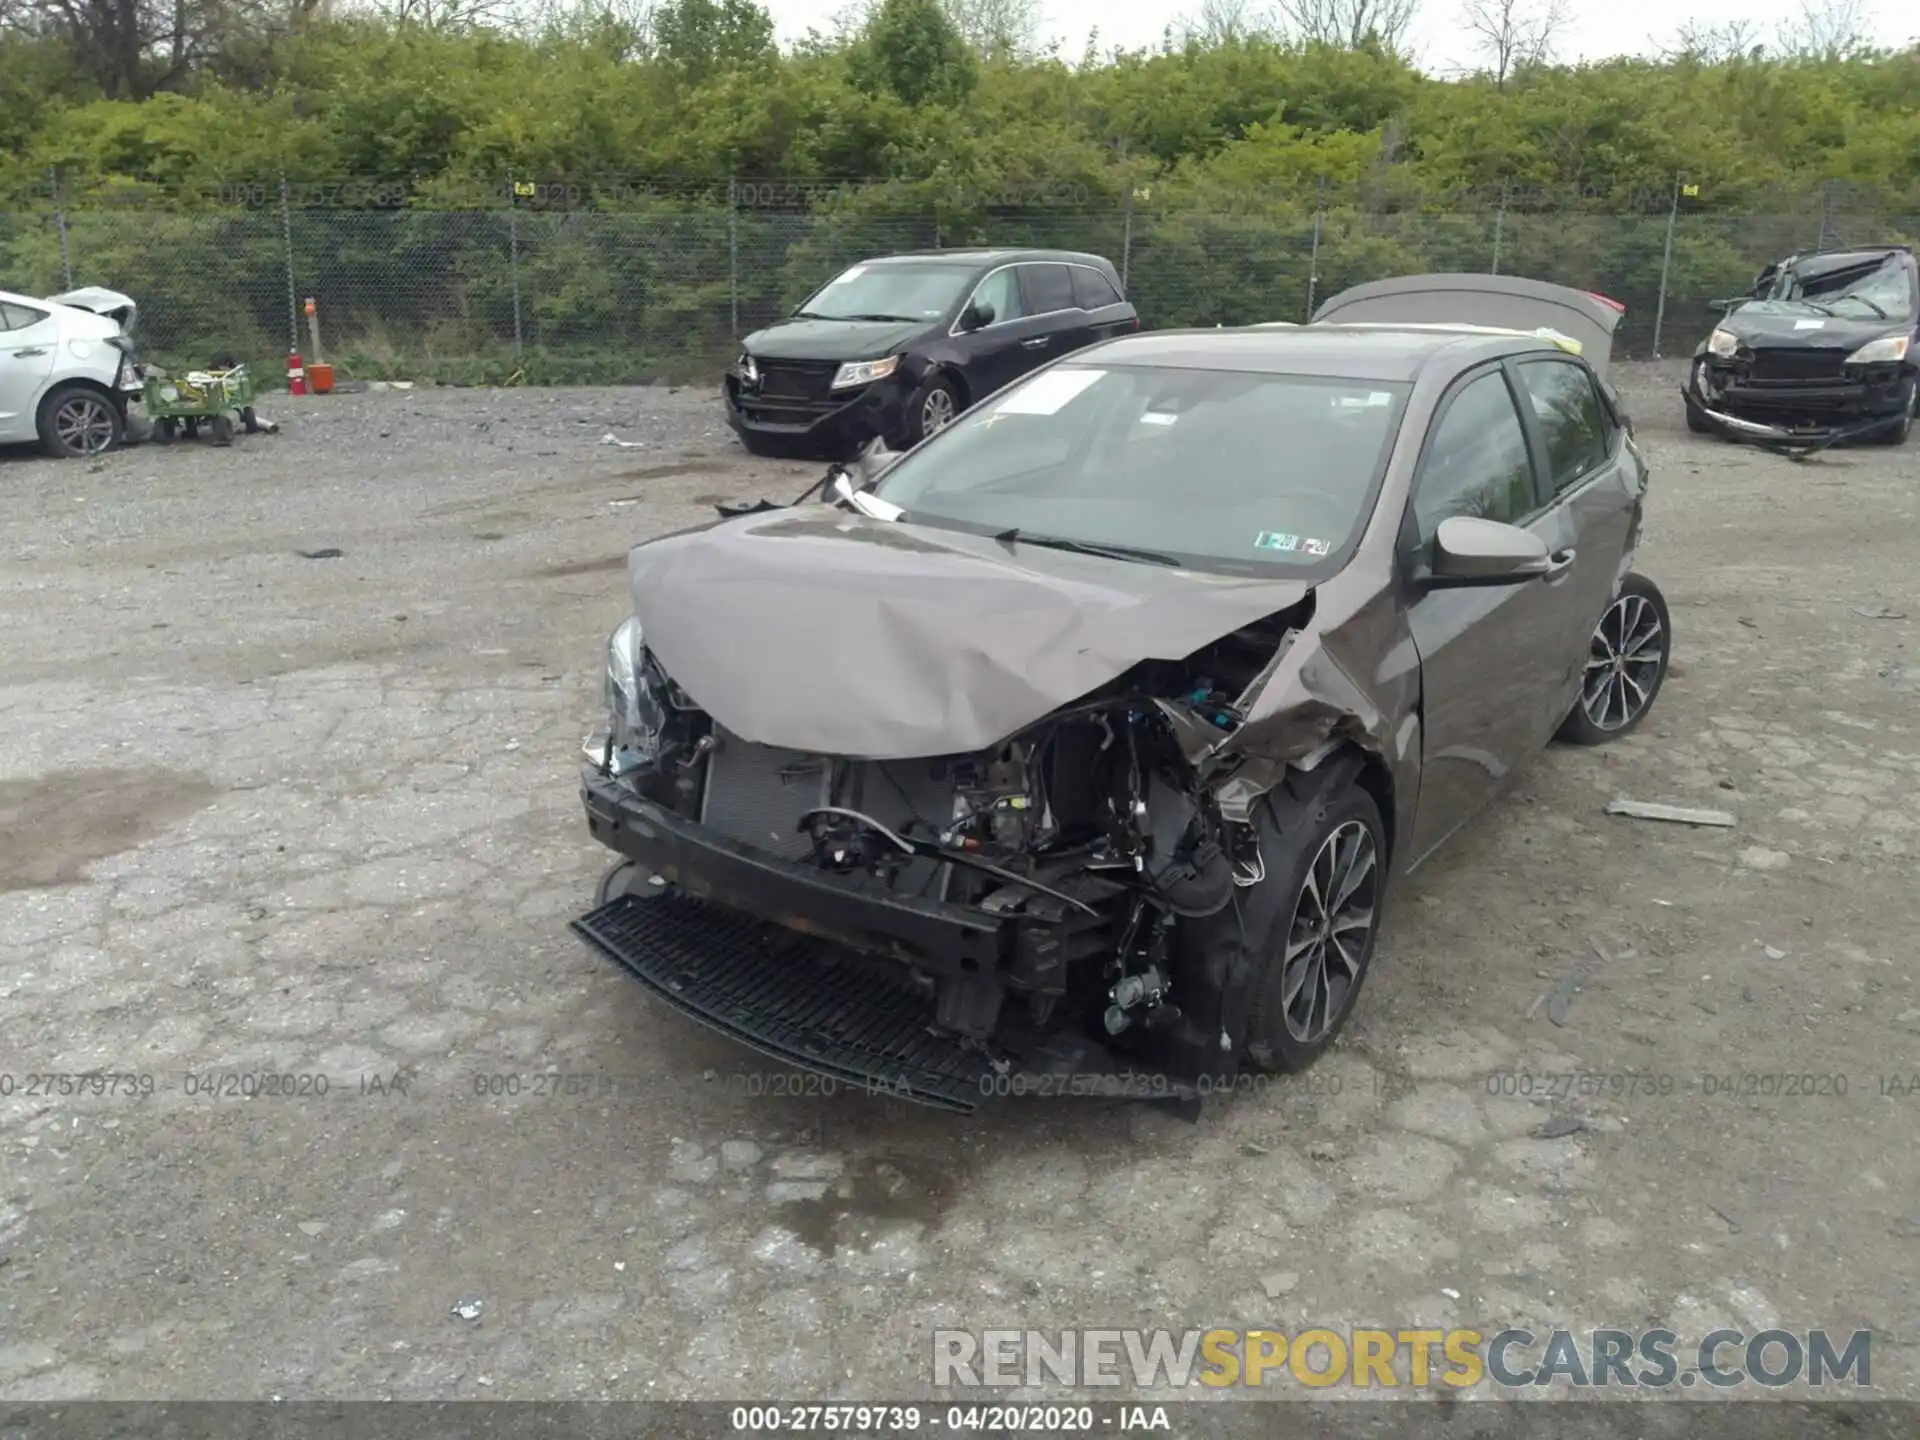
889,292
1219,469
1883,292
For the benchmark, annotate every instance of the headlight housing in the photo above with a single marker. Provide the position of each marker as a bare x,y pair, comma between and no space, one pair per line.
745,368
1888,349
1722,344
634,717
864,372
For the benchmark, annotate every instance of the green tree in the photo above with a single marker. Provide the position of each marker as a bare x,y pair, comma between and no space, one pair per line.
910,48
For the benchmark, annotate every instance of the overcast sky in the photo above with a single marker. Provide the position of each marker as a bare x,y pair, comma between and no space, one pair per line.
1615,27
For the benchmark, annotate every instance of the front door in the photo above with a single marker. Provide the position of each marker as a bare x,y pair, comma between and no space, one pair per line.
1489,656
29,339
993,354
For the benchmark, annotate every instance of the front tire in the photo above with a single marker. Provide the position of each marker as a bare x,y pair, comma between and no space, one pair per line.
1897,434
1314,916
1627,659
931,408
76,422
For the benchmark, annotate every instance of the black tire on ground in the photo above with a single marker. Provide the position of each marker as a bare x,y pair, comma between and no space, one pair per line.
937,396
1321,838
627,877
250,421
167,431
768,447
223,429
1897,434
76,421
1626,665
192,427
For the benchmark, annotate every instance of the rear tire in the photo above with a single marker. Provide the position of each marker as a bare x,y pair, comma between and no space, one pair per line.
1627,659
1314,917
223,429
76,422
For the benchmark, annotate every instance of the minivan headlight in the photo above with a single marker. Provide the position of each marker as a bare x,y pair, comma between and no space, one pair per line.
1888,349
864,372
1722,344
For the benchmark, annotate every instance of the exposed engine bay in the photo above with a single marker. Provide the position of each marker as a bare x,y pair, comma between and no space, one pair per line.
1092,829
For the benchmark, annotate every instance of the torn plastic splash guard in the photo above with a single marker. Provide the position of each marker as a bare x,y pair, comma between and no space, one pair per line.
790,997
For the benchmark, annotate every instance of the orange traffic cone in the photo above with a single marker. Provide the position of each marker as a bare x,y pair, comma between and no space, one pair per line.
296,374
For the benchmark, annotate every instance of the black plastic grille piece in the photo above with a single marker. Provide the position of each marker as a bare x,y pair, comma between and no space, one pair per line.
790,996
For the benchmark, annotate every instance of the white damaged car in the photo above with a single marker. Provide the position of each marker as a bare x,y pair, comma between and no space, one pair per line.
67,371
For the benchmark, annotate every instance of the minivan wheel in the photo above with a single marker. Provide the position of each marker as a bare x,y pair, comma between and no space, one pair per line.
76,421
933,407
1314,915
1626,663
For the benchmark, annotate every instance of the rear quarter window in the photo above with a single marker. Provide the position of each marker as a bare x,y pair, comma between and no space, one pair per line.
1092,290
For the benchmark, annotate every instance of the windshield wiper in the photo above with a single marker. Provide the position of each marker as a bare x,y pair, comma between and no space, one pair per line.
1085,547
890,319
1863,300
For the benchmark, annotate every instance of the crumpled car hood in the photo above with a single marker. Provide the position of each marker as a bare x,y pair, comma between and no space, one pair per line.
1795,325
822,630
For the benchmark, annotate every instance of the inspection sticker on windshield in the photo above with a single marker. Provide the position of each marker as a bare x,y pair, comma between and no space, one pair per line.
1157,417
1316,547
1045,394
1274,540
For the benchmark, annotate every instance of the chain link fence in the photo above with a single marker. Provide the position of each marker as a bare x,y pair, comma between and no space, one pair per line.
578,292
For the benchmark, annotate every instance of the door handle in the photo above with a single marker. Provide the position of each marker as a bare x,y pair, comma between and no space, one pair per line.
1557,564
29,353
1039,342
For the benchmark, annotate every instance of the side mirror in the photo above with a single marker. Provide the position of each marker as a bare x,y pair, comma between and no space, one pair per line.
976,316
839,488
1471,551
1721,307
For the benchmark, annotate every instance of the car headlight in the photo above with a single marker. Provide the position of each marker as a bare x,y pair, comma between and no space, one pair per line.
746,369
1722,344
864,372
623,667
1888,349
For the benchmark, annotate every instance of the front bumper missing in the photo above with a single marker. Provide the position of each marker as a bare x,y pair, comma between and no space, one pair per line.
930,934
791,997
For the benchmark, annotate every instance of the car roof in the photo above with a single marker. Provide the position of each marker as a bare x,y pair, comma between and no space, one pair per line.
1371,352
991,256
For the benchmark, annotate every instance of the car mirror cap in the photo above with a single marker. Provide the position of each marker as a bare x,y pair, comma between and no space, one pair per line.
1469,550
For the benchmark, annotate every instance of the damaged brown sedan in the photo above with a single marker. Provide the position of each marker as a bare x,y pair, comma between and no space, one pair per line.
1075,753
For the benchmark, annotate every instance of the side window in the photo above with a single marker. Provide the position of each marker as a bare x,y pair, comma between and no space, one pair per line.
1049,287
1001,290
19,317
1573,422
1091,289
1477,463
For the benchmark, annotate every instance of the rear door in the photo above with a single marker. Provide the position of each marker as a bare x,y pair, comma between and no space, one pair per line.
1489,656
1061,325
1108,313
1594,487
29,343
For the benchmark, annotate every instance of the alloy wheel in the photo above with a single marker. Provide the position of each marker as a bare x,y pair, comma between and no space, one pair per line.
84,424
1629,648
936,411
1333,920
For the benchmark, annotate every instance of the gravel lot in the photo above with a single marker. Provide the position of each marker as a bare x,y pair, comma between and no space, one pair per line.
318,817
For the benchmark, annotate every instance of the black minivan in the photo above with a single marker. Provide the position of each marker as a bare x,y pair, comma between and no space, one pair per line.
896,347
